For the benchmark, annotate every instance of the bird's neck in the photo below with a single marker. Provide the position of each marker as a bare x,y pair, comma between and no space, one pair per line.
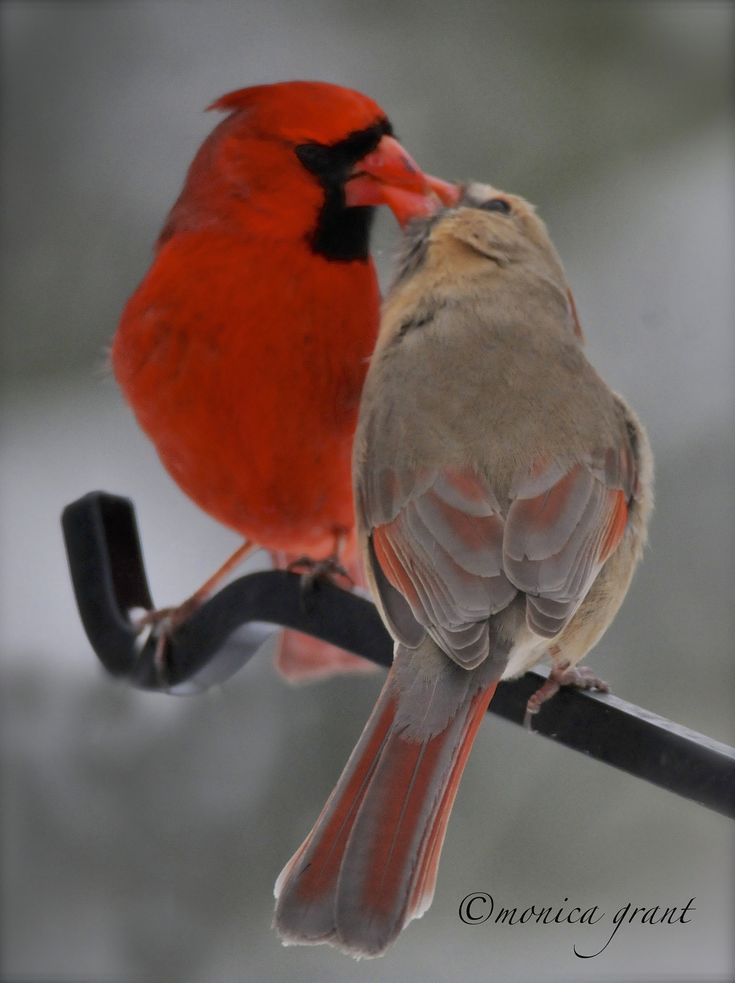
341,234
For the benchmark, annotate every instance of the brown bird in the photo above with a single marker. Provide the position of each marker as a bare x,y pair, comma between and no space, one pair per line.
502,493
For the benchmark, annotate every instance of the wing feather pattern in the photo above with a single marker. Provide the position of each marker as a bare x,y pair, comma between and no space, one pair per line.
559,531
445,558
442,550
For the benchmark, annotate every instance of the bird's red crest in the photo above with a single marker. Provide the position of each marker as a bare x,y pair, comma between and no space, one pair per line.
316,111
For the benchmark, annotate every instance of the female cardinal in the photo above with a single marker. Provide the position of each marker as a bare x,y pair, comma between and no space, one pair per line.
244,349
502,493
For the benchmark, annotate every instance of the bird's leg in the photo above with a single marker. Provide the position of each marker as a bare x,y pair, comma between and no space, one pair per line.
174,616
581,677
164,621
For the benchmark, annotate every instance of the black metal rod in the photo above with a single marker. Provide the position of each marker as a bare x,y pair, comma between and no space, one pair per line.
630,738
109,580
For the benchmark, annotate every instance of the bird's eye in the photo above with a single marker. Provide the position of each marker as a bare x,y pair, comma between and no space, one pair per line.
496,205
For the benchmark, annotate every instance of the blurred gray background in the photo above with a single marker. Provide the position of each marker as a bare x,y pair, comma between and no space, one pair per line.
142,834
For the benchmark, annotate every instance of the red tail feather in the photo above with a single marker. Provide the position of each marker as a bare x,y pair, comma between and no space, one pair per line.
305,659
369,865
424,890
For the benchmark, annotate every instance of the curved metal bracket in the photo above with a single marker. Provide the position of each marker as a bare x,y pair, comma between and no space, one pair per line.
107,571
109,580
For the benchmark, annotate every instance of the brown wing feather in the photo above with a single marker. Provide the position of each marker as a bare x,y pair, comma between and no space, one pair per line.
445,560
443,554
560,530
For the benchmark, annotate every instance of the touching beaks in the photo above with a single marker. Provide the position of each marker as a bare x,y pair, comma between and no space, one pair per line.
390,176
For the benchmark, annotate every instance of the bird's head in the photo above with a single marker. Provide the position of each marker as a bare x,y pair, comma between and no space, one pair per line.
496,225
484,224
487,237
311,159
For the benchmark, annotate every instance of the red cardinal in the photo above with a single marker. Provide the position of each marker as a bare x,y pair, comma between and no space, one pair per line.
244,349
502,492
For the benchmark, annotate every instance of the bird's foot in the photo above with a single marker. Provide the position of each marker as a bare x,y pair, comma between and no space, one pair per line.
580,677
162,623
168,619
313,572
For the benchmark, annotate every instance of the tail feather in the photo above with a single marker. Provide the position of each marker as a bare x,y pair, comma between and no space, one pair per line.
423,893
304,659
305,888
369,865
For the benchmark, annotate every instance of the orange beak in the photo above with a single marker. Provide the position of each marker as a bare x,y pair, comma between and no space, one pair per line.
390,176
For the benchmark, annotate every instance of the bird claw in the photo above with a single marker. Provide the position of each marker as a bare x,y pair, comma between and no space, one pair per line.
313,572
162,623
580,677
168,619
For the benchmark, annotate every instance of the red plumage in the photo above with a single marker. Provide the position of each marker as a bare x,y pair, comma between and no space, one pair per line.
243,351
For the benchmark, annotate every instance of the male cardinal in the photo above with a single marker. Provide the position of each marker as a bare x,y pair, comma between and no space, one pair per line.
502,493
244,349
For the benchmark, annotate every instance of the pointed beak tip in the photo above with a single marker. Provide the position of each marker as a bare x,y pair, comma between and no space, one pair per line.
447,193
